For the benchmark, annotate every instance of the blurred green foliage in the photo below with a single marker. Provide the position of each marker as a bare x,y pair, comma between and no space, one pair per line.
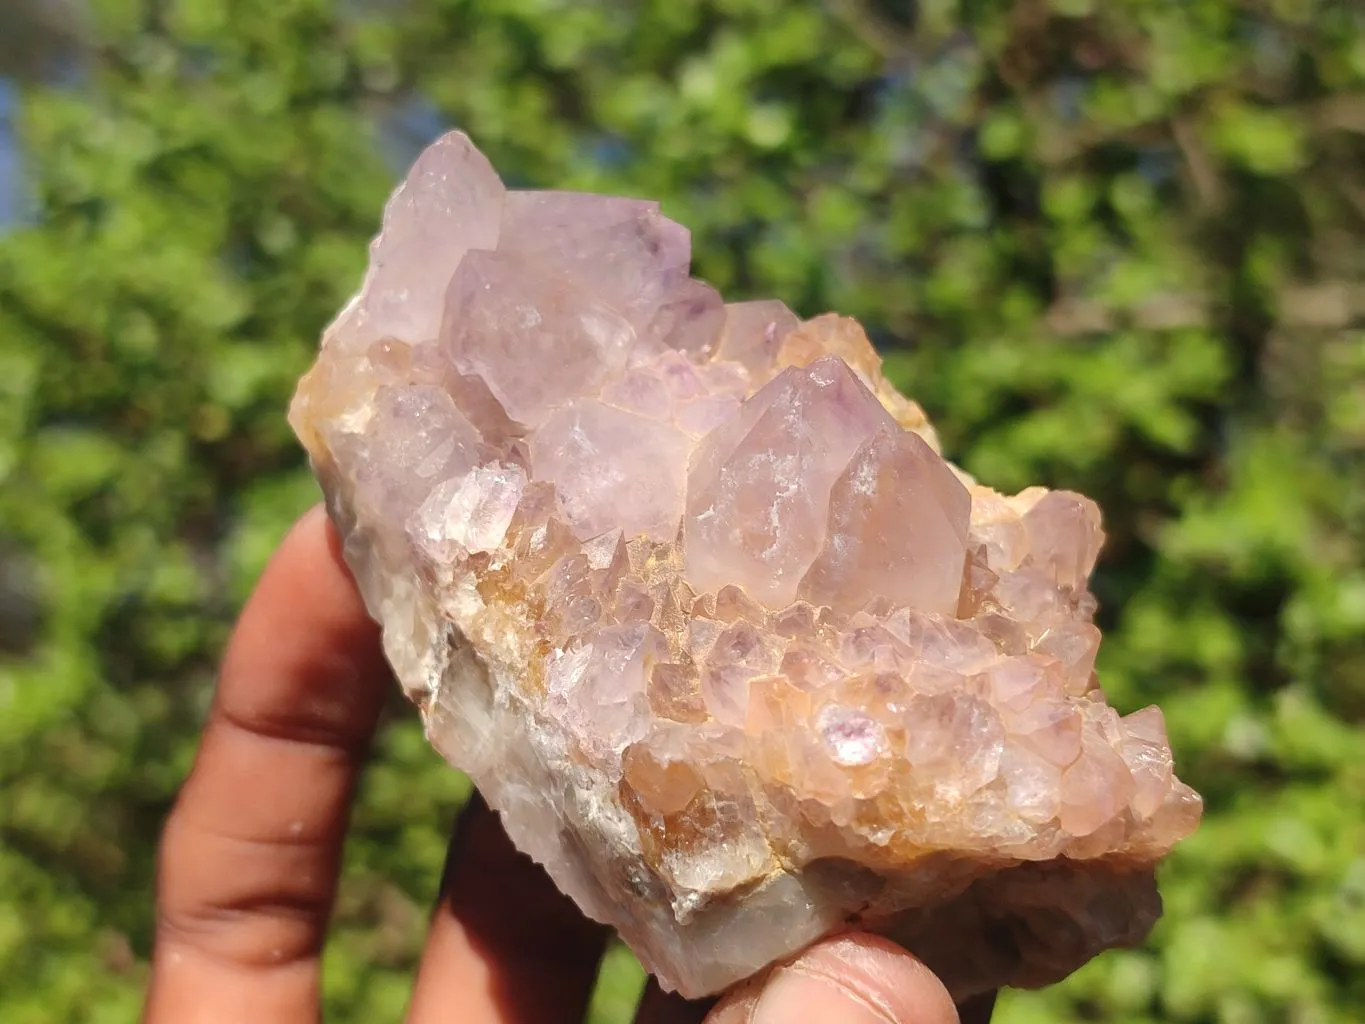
1117,247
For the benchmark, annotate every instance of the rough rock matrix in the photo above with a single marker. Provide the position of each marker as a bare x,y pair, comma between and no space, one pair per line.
688,590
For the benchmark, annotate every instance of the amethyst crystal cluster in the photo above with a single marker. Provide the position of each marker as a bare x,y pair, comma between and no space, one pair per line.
688,590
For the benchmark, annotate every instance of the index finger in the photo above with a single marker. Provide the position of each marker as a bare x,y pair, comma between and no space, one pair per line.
251,852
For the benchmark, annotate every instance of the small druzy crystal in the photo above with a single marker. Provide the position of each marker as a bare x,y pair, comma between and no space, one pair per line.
690,593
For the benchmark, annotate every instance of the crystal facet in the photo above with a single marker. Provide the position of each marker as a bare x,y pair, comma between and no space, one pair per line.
690,593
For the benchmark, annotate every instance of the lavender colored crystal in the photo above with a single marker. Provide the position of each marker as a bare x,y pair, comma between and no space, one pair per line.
690,593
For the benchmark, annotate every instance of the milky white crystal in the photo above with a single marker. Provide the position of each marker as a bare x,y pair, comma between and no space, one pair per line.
688,590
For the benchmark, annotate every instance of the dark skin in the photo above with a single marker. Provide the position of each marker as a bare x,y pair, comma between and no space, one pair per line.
251,855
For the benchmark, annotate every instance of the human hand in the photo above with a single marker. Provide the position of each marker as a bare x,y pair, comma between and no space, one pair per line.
252,851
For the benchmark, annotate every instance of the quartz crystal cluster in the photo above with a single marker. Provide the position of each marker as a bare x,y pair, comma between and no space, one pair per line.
688,590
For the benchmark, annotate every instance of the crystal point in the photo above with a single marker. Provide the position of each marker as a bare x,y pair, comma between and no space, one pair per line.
450,204
897,530
758,487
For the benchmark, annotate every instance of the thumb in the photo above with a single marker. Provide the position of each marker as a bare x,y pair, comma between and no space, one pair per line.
852,979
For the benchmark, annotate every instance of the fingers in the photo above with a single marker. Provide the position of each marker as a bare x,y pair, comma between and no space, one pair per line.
854,979
251,852
505,946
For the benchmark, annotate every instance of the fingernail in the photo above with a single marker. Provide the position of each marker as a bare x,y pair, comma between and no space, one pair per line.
798,994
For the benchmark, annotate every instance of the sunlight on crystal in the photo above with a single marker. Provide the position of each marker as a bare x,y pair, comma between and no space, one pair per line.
688,590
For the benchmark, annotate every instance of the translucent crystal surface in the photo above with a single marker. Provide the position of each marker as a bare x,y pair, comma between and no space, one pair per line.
689,591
